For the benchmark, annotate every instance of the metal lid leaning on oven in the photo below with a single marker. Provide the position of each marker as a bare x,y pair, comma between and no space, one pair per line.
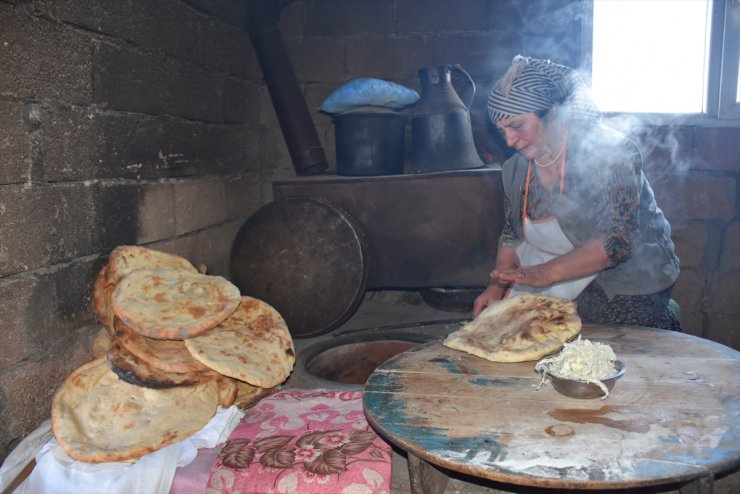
305,257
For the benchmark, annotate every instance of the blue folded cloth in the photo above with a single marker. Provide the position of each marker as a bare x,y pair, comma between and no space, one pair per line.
371,92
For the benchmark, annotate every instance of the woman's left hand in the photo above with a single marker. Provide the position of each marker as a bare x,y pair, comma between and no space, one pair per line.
589,258
539,276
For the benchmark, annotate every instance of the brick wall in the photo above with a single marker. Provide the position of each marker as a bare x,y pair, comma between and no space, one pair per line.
133,121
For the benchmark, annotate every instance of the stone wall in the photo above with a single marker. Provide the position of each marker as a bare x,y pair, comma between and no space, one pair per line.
142,122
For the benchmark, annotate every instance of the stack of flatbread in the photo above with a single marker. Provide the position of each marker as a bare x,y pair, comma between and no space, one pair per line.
175,345
518,329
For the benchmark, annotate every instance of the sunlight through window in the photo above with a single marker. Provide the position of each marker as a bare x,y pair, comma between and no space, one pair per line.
650,55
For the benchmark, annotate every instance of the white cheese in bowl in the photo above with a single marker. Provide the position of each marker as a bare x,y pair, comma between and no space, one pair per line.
580,360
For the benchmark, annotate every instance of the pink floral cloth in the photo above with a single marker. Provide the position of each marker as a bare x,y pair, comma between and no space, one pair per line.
303,441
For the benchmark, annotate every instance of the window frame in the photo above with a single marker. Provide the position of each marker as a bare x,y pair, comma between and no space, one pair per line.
721,109
724,51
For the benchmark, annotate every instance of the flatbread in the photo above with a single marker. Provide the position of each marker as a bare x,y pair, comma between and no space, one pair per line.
101,300
247,395
252,345
134,371
100,343
227,391
96,417
518,329
165,355
121,261
173,304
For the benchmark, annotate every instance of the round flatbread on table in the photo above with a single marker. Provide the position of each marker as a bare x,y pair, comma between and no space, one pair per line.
121,261
518,329
228,389
132,370
165,355
100,343
97,417
252,345
247,395
101,299
173,304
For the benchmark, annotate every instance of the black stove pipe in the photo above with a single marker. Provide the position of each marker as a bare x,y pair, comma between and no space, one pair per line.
304,146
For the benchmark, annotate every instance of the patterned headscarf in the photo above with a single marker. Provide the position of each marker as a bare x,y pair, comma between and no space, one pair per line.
532,85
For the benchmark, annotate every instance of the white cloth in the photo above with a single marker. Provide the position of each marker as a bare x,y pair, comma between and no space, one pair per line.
57,473
545,240
24,453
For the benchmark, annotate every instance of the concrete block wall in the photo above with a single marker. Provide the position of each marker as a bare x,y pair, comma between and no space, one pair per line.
695,171
128,121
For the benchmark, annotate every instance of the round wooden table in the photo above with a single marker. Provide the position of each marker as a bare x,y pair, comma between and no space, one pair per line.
674,417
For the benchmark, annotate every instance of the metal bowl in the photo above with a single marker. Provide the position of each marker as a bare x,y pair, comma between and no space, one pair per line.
584,389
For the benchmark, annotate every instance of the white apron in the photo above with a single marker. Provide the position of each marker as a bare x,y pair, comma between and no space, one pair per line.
545,240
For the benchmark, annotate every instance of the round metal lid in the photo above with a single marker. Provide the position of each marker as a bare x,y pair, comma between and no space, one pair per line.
306,258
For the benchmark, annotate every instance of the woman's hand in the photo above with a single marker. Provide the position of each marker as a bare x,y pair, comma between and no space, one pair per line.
587,259
538,276
506,259
490,295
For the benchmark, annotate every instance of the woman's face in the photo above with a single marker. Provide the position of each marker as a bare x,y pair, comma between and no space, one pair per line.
523,133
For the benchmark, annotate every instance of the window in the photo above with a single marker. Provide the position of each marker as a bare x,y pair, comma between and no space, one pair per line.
667,56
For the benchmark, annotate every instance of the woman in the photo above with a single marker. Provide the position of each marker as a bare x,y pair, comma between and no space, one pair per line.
582,222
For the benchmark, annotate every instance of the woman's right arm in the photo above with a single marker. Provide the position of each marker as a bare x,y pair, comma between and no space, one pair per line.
506,259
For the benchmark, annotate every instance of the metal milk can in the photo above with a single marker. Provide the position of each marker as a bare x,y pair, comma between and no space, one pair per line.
442,135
